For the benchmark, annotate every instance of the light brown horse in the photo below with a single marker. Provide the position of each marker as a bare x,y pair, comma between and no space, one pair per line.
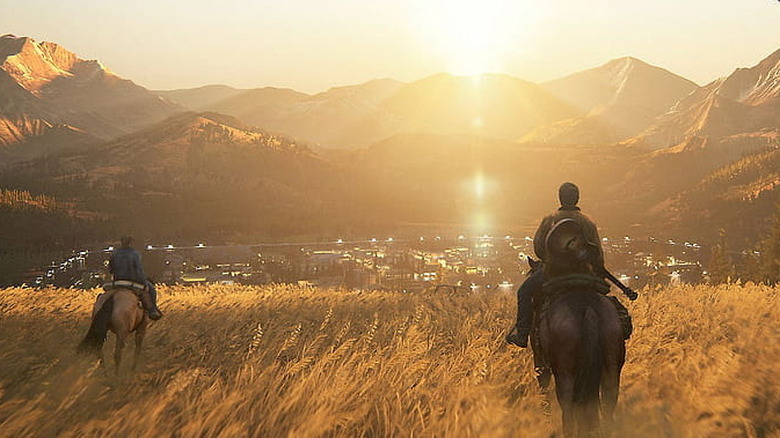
122,313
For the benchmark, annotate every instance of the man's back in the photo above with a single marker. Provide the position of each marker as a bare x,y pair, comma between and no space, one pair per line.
125,264
569,196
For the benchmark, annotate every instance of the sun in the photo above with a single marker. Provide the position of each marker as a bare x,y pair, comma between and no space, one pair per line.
473,36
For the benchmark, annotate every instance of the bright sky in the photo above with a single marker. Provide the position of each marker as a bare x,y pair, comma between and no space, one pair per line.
311,45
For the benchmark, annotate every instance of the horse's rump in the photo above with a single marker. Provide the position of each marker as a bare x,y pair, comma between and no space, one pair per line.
98,329
589,369
582,340
101,300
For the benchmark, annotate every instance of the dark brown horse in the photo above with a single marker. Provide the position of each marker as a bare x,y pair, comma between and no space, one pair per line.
581,336
121,312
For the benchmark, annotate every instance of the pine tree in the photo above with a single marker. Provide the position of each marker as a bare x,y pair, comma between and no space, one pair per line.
720,267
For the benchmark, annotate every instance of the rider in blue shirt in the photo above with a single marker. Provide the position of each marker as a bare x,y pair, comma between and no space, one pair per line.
125,264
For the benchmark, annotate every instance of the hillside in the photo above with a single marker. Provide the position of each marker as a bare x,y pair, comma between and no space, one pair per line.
197,174
45,87
740,197
282,360
471,181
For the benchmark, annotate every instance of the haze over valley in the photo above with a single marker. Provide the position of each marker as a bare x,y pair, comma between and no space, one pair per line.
93,155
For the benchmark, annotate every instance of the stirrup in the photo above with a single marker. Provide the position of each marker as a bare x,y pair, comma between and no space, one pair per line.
154,315
543,376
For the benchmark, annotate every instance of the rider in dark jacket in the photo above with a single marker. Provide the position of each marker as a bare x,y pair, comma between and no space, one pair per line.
125,264
569,196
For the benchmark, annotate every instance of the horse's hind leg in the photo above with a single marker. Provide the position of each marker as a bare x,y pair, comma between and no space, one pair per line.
139,340
120,344
564,391
610,386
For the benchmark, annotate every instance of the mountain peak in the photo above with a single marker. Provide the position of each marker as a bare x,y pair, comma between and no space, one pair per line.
626,60
34,64
755,85
625,81
45,81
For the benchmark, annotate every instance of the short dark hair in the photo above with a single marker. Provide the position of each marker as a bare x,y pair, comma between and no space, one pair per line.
569,194
126,240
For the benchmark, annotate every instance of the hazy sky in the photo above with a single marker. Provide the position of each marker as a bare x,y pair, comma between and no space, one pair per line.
311,45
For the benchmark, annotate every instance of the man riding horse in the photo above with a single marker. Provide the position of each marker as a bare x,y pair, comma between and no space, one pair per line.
125,266
567,215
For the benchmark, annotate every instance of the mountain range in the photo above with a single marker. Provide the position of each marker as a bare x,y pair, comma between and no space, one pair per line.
650,149
47,90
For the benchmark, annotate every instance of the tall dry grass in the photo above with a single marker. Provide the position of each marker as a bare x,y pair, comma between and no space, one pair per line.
279,360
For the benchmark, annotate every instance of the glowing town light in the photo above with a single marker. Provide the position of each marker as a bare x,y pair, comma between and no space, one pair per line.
200,245
110,248
149,247
340,241
170,246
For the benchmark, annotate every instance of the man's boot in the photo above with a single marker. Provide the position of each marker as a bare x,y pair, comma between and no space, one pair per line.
518,336
151,309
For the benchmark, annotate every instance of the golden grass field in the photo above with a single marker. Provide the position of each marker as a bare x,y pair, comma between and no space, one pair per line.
289,361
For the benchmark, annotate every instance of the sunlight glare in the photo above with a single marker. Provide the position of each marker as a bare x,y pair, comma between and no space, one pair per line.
474,36
479,185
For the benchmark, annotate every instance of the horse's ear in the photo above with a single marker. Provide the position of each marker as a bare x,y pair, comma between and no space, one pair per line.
533,263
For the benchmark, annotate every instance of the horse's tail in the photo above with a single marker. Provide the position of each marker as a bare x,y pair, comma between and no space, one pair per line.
96,336
588,380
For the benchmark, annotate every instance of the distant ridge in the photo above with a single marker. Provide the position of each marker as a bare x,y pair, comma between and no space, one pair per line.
198,99
356,116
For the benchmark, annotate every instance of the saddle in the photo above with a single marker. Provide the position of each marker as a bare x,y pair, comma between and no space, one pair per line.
111,287
135,286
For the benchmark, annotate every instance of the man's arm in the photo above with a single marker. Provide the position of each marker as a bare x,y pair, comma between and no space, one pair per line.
598,254
111,264
540,236
138,268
